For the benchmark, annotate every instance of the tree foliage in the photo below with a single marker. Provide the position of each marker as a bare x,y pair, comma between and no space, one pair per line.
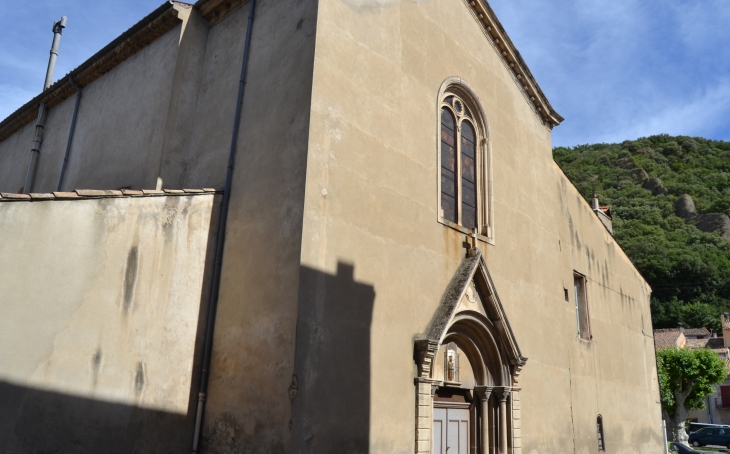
686,377
696,372
689,270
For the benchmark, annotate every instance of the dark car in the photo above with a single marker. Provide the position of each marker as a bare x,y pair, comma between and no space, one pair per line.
695,426
681,449
710,436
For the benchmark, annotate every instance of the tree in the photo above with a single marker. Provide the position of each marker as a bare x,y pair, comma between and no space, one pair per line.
686,377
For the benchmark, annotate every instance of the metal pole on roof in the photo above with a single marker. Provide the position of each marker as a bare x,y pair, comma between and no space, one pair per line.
40,124
57,30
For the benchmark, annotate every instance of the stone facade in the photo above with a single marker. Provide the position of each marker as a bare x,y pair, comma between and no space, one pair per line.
351,308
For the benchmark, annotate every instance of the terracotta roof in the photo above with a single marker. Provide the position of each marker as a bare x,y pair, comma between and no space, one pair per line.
80,194
716,344
697,331
666,338
697,343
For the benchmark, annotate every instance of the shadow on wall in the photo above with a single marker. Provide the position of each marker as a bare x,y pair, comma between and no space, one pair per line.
330,389
39,421
36,421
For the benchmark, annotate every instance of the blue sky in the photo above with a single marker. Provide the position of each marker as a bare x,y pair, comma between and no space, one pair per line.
614,70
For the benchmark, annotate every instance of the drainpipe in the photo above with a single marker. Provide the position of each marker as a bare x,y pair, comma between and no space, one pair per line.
40,123
71,131
215,285
709,407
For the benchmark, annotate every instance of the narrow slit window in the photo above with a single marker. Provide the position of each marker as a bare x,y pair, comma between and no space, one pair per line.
599,429
581,307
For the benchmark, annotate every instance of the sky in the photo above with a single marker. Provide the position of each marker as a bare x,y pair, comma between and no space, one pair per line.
616,70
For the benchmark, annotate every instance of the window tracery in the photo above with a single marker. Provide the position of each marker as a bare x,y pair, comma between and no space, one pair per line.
464,161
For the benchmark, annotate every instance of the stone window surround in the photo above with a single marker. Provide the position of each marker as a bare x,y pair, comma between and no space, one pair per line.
485,193
584,333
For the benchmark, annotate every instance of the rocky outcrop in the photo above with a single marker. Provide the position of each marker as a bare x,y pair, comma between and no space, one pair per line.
655,186
639,174
625,163
684,207
714,222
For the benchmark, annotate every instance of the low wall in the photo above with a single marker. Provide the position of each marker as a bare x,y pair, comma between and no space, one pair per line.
103,303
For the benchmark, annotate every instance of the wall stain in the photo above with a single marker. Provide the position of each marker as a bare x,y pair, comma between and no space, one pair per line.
139,378
130,278
96,365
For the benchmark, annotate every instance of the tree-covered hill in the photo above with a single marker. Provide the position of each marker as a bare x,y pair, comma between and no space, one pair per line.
688,269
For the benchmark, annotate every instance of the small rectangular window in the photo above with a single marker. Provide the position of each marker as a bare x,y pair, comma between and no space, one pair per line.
581,306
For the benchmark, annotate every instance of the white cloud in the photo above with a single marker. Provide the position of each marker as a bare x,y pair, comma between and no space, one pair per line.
617,70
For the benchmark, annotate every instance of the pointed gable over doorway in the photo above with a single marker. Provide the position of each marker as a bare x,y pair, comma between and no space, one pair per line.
471,303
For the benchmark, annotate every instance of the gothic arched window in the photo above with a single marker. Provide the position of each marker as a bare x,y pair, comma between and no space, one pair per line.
463,157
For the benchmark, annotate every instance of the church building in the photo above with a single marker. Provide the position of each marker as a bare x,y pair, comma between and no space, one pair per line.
311,226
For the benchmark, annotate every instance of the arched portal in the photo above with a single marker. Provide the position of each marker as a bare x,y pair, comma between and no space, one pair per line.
468,365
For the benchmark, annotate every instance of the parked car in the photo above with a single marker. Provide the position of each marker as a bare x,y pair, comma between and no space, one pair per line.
695,426
711,436
681,449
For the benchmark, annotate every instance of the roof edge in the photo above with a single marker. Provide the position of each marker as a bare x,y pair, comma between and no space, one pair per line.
521,74
141,34
86,194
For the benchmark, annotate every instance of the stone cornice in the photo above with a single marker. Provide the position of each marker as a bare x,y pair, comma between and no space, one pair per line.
521,74
215,11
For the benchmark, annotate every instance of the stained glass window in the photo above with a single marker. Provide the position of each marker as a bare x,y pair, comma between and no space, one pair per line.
468,177
448,165
458,154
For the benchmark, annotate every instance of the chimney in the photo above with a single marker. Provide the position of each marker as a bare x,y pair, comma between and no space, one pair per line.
681,327
603,216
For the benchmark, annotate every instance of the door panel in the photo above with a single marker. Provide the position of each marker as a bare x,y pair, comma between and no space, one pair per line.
439,431
457,431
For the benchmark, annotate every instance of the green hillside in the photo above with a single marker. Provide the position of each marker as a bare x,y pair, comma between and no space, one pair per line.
688,269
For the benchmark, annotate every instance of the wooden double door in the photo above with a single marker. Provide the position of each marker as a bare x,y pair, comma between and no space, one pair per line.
450,430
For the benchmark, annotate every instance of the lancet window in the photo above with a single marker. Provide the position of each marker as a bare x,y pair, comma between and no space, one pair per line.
464,161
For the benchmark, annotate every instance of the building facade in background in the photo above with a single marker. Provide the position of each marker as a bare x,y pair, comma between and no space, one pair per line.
405,267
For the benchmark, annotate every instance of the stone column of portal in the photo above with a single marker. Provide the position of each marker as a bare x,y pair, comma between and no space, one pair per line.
425,389
516,422
484,393
504,394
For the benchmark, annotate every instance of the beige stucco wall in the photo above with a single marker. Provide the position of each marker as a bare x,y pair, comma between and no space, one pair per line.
14,157
714,412
248,409
334,259
371,203
102,322
119,128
